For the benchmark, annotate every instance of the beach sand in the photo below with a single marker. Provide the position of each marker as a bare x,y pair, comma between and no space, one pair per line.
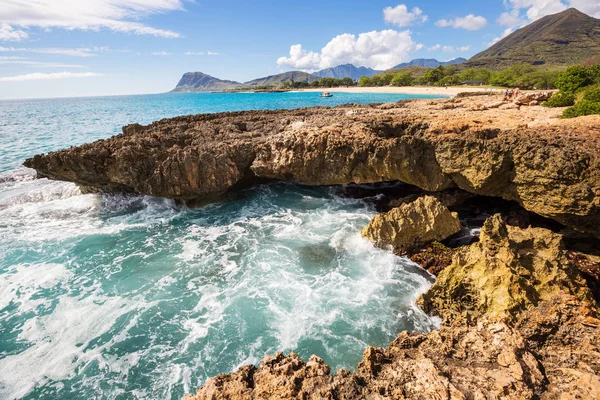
438,91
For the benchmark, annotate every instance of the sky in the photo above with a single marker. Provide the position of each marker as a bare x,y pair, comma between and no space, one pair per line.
64,48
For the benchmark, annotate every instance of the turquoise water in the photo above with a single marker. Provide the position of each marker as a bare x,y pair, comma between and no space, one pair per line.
136,297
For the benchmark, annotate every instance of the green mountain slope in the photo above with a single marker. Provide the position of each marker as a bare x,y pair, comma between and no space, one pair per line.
560,39
277,80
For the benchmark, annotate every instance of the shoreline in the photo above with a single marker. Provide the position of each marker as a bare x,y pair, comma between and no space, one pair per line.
437,91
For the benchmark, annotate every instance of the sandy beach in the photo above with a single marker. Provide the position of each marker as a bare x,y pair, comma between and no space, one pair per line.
439,91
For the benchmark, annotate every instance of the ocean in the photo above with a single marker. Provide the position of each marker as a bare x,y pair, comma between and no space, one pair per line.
134,297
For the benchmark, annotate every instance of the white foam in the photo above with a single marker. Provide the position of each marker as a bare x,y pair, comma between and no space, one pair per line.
21,282
59,343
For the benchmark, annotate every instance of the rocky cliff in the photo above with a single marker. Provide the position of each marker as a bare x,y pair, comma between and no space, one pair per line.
481,351
200,82
526,154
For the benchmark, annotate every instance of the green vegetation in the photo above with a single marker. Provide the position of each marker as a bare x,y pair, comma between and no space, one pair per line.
580,88
560,99
524,76
333,82
583,107
574,78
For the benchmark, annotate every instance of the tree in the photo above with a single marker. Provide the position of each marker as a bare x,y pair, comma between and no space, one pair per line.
402,79
347,81
574,78
364,81
509,77
475,74
434,75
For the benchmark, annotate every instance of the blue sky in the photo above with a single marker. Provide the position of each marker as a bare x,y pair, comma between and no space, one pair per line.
102,47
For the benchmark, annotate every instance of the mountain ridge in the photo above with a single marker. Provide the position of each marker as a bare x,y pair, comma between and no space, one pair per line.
561,39
346,71
429,63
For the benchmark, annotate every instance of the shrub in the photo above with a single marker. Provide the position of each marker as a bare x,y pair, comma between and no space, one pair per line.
592,94
560,99
583,107
574,78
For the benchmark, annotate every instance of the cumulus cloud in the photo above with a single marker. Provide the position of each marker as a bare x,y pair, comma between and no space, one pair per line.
400,15
535,9
435,47
470,22
510,19
376,49
53,76
61,51
114,15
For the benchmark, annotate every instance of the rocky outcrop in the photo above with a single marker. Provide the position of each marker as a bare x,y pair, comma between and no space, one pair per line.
412,224
508,271
548,165
481,351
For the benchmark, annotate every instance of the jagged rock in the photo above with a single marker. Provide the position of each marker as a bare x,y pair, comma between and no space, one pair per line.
551,166
551,352
412,224
434,257
507,272
532,98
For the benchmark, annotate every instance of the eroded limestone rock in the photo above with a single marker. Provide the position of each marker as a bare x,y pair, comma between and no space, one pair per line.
412,224
509,271
548,165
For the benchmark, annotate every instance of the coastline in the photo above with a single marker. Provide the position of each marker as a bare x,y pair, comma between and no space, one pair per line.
438,91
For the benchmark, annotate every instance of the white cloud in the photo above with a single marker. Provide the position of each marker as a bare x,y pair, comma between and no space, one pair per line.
114,15
435,47
41,76
161,53
591,7
376,49
78,52
40,64
11,58
201,53
400,15
506,32
510,19
470,22
8,33
452,49
535,9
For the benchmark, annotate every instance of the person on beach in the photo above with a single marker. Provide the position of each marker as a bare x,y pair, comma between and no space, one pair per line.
516,93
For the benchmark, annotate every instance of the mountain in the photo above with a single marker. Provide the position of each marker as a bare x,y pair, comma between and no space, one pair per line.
277,80
200,82
560,39
346,71
429,63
